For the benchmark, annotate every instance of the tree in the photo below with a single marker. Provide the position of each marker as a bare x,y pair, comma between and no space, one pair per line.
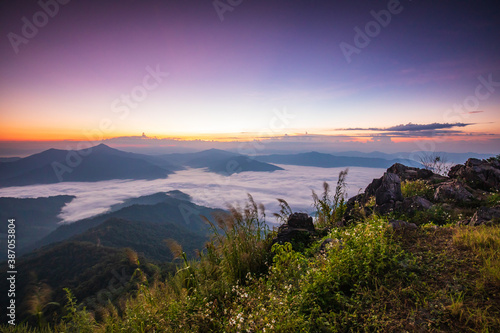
435,162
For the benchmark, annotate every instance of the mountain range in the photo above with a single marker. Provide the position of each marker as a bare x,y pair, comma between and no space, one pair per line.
322,160
159,215
105,163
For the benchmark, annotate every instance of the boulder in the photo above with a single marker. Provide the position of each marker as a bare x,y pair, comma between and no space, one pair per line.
478,174
409,173
299,228
486,215
402,225
387,192
300,221
452,191
415,203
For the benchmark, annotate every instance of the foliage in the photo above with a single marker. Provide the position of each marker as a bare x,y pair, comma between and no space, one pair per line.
493,198
330,209
284,213
239,244
418,187
78,320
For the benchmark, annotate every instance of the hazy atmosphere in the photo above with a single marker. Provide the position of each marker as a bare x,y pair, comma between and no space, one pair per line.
249,166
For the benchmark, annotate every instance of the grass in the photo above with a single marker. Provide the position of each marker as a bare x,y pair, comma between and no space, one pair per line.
485,242
330,207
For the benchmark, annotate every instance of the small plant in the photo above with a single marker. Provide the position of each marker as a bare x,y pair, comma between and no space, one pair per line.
418,187
493,198
330,209
76,320
457,305
288,265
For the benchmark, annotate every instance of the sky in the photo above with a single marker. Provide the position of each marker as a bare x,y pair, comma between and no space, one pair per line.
365,75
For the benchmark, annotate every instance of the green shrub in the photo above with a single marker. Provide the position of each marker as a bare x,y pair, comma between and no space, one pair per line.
368,257
493,198
418,187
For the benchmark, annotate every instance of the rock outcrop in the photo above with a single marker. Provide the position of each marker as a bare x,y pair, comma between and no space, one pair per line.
409,173
469,186
299,228
453,191
478,174
415,203
485,215
387,192
402,225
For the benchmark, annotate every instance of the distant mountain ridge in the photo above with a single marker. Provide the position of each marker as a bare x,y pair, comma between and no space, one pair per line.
105,163
458,158
95,164
221,162
322,160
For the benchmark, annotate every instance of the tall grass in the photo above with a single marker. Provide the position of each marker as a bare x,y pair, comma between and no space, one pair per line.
329,207
485,241
239,243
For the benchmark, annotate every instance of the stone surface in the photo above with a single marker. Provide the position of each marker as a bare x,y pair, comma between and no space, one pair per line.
299,228
486,215
452,191
409,173
402,225
301,221
478,174
415,203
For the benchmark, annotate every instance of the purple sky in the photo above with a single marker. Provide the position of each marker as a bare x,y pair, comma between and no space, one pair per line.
87,72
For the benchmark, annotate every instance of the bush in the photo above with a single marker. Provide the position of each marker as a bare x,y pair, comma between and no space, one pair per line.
418,187
368,257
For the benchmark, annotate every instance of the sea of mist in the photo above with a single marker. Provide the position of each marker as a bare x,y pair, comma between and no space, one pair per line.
294,184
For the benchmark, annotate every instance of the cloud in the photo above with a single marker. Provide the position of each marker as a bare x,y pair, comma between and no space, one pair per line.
410,127
293,184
